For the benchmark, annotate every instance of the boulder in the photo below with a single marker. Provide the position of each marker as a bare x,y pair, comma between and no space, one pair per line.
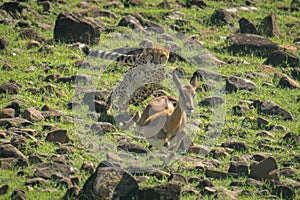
70,28
235,83
282,59
265,169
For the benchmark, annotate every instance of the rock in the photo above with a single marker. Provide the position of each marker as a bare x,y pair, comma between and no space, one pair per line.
14,9
246,44
33,115
98,106
207,74
163,192
52,114
35,182
282,59
176,177
212,101
268,26
29,33
4,189
134,148
70,28
34,159
88,167
239,168
221,17
58,135
19,142
32,44
284,192
47,169
218,153
198,3
265,134
15,122
291,138
295,3
215,174
64,150
247,27
296,74
265,169
46,5
287,82
3,44
112,4
254,183
198,149
72,192
9,151
164,4
235,83
18,195
102,127
236,145
128,3
9,88
7,113
270,108
110,183
131,22
239,109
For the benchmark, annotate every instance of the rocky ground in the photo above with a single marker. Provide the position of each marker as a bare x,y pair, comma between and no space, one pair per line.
254,45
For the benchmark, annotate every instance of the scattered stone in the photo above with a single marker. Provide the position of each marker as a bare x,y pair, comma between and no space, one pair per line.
282,59
112,4
166,191
9,151
88,167
47,169
31,34
265,134
32,44
134,148
198,149
164,4
18,195
254,182
98,106
14,9
221,17
70,28
9,88
102,127
19,142
239,109
291,138
176,177
215,174
268,26
246,44
284,192
270,108
33,115
247,27
236,145
46,5
212,101
239,168
198,3
64,150
110,183
296,74
265,169
72,192
58,135
131,21
129,3
3,44
34,159
287,82
7,113
4,189
262,123
235,83
35,182
218,153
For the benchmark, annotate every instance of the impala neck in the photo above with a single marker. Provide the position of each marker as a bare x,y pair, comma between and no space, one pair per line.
175,120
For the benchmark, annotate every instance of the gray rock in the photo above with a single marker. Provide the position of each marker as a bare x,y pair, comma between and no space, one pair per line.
3,44
9,151
239,168
110,183
58,135
134,148
270,108
296,74
7,113
9,88
102,127
70,28
15,122
163,192
236,145
235,83
246,44
221,17
18,195
32,115
268,26
131,21
282,59
287,82
247,27
4,189
212,101
265,169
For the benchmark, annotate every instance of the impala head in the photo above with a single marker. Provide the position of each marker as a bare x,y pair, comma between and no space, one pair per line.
186,93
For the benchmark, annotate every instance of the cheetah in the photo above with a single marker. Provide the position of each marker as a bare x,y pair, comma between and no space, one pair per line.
147,72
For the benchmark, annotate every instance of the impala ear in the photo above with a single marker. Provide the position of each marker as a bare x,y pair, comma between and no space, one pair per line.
195,80
176,80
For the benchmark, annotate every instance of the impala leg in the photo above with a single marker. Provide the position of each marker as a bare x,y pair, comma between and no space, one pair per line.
180,137
131,121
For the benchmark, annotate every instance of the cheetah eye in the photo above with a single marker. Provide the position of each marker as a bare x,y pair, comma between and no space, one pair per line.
163,58
150,56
